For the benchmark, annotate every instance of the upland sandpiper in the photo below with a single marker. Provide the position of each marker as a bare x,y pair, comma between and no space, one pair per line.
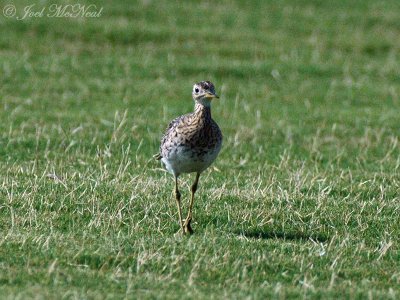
190,144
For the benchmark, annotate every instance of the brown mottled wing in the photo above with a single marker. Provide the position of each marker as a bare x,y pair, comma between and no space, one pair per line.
164,139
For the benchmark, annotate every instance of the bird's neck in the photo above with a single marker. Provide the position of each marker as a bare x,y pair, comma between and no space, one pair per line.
202,111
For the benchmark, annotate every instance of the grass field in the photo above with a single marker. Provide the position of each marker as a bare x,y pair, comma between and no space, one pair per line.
303,201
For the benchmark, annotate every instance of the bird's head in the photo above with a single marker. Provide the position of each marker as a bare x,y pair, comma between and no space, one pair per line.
204,92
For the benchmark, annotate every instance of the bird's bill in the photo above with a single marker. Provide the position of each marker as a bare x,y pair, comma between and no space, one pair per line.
211,95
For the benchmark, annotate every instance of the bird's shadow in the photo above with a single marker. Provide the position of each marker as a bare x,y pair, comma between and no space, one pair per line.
288,236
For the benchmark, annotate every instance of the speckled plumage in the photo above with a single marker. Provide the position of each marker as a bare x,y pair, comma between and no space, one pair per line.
192,142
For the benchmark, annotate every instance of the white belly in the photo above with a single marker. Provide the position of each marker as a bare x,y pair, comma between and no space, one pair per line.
182,160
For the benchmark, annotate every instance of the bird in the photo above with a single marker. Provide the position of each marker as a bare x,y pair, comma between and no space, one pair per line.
190,144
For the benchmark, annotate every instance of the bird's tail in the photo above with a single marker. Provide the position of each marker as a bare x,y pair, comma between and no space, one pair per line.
157,156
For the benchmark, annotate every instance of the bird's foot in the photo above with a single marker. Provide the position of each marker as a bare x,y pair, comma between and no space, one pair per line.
186,226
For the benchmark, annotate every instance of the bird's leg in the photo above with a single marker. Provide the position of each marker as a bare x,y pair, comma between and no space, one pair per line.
178,202
187,226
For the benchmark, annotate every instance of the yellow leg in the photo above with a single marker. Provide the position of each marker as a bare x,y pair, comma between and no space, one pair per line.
187,226
178,202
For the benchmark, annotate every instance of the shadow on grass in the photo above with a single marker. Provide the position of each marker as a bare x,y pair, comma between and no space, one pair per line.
290,236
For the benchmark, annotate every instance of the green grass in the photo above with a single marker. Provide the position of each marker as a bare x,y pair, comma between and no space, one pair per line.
303,201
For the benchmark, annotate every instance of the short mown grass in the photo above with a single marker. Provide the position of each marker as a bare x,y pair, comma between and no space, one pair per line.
303,201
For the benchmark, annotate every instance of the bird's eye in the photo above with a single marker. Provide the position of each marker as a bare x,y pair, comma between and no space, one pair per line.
196,90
